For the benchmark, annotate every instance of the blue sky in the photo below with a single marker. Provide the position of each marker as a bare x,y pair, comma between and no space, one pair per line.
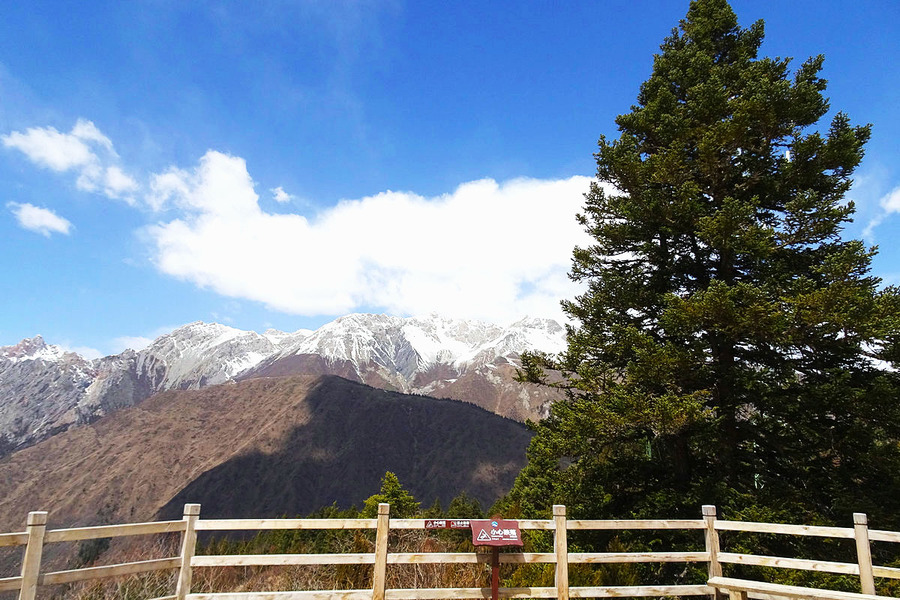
277,164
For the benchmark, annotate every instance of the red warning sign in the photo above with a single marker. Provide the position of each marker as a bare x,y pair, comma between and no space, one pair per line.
446,523
496,532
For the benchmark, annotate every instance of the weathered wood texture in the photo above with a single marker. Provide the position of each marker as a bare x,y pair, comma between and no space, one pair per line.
813,530
36,526
13,539
108,531
188,547
144,566
10,583
245,524
379,575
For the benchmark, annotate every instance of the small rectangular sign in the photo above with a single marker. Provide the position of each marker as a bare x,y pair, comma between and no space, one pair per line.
447,524
496,532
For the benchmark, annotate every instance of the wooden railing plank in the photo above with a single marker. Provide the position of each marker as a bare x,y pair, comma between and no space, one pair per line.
804,564
637,591
108,531
36,527
536,524
788,591
297,595
10,583
379,573
636,524
889,572
13,539
877,535
133,568
254,560
783,528
636,557
561,548
244,524
188,548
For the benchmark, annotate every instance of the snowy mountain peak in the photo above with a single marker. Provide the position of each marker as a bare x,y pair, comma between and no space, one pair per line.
32,349
415,344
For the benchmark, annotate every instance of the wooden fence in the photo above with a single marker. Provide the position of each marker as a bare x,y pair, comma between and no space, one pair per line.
35,537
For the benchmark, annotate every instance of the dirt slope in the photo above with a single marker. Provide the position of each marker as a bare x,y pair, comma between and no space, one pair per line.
262,447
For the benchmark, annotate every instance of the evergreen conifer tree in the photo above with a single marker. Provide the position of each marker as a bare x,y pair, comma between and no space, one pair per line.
730,347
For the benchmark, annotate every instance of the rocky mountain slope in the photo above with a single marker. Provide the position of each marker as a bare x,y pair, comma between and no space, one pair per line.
44,390
263,447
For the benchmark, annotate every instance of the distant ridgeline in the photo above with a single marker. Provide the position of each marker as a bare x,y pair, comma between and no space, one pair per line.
45,390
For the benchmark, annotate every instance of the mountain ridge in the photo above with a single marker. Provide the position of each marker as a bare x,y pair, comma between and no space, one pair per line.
45,389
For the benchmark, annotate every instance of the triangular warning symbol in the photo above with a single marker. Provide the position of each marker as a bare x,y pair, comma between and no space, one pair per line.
483,536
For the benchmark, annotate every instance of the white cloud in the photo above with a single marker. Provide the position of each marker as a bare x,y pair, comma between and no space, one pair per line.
40,220
486,250
891,202
85,150
280,195
47,147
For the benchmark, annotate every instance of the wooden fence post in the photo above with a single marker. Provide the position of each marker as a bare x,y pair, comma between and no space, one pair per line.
381,548
561,546
35,527
188,547
712,543
863,552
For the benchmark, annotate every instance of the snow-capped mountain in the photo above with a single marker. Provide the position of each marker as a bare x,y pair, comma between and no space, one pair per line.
40,386
44,389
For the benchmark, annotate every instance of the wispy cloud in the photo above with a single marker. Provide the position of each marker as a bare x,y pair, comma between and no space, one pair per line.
890,204
39,220
85,150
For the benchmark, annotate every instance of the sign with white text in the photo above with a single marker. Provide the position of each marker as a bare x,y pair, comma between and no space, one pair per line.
496,532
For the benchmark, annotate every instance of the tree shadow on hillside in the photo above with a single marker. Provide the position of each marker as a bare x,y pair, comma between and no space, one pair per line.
355,433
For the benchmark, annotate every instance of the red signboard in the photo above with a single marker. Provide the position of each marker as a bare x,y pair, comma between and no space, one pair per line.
496,532
447,524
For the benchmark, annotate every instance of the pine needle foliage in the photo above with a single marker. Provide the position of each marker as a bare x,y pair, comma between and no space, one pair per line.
731,347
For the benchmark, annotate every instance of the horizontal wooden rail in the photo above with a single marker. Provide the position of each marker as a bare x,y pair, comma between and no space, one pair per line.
888,572
133,568
633,591
636,557
876,535
254,560
785,529
804,564
301,595
108,531
765,589
10,583
260,524
467,593
536,524
635,524
13,539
